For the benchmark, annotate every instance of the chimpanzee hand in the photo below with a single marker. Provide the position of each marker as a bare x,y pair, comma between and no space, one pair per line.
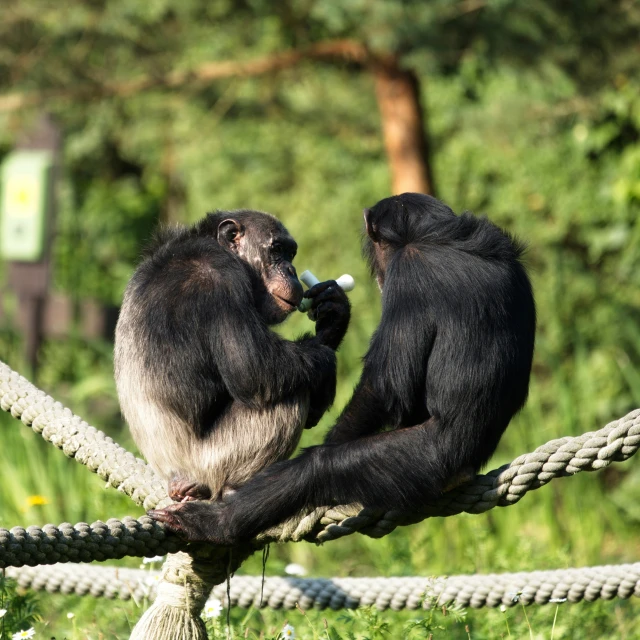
331,311
196,521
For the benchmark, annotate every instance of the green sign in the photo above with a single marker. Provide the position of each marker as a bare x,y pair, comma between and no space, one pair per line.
24,187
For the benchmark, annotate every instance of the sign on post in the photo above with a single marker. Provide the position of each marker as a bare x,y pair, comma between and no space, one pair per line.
25,185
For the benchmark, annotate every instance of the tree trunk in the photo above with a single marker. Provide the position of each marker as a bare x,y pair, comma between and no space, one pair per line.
174,203
398,94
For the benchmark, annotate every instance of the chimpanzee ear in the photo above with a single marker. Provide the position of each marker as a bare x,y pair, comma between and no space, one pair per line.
229,233
372,227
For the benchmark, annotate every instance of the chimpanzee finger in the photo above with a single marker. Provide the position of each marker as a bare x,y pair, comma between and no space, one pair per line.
319,288
333,296
330,293
327,308
319,309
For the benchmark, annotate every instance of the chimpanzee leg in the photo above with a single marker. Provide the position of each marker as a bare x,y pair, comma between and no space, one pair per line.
392,470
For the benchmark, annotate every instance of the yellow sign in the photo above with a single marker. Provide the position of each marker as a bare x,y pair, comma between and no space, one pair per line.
25,181
23,195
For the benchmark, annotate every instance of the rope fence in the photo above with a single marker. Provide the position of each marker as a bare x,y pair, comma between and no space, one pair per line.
507,485
476,591
192,571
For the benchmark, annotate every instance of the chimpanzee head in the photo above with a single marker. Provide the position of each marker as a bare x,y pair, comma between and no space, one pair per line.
398,221
263,243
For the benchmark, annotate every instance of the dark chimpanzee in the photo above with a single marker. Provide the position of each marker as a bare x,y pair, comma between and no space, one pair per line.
445,372
210,393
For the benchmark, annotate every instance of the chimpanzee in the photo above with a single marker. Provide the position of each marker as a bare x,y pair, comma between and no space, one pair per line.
446,370
210,393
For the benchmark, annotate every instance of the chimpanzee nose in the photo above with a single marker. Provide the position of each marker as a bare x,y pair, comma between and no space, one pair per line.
292,271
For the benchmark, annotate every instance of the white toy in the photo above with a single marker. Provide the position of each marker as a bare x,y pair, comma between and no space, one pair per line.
345,282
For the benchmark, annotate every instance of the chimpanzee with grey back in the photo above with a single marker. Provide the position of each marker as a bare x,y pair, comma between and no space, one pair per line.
446,370
210,393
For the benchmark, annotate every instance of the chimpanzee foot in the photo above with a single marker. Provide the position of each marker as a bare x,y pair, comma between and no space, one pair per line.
195,521
182,489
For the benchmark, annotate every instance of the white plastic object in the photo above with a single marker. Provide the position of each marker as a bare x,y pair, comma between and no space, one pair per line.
345,282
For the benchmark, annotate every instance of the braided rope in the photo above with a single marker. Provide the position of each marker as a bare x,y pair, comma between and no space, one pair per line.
492,590
60,427
180,593
84,543
505,486
502,487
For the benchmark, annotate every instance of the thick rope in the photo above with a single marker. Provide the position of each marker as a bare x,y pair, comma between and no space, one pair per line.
60,427
189,578
84,543
492,590
181,593
505,486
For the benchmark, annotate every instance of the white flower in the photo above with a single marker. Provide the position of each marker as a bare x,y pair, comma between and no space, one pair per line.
557,600
288,632
71,616
294,569
29,633
2,613
503,608
213,608
154,559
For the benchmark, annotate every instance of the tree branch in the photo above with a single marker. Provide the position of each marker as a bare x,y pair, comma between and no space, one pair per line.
345,50
397,93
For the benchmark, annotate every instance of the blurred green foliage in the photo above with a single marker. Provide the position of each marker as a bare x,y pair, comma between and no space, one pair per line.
533,112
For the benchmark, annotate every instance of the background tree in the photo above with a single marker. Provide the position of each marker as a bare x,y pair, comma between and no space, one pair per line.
530,113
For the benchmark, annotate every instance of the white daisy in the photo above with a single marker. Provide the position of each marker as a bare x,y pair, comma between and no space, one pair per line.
213,608
71,616
2,612
294,569
29,633
288,632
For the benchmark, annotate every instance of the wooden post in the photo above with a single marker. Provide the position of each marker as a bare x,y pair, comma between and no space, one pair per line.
30,277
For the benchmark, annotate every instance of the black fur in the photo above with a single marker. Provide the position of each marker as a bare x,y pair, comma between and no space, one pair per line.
193,341
446,370
207,341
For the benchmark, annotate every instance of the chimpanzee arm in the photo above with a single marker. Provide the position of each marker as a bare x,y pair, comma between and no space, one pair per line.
259,367
364,415
330,309
392,389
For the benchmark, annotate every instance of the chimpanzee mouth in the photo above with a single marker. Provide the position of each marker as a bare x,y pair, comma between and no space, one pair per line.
288,303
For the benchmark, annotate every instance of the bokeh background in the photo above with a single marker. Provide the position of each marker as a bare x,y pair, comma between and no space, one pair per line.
529,114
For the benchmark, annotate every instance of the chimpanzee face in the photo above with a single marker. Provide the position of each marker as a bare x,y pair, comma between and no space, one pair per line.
266,246
279,277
